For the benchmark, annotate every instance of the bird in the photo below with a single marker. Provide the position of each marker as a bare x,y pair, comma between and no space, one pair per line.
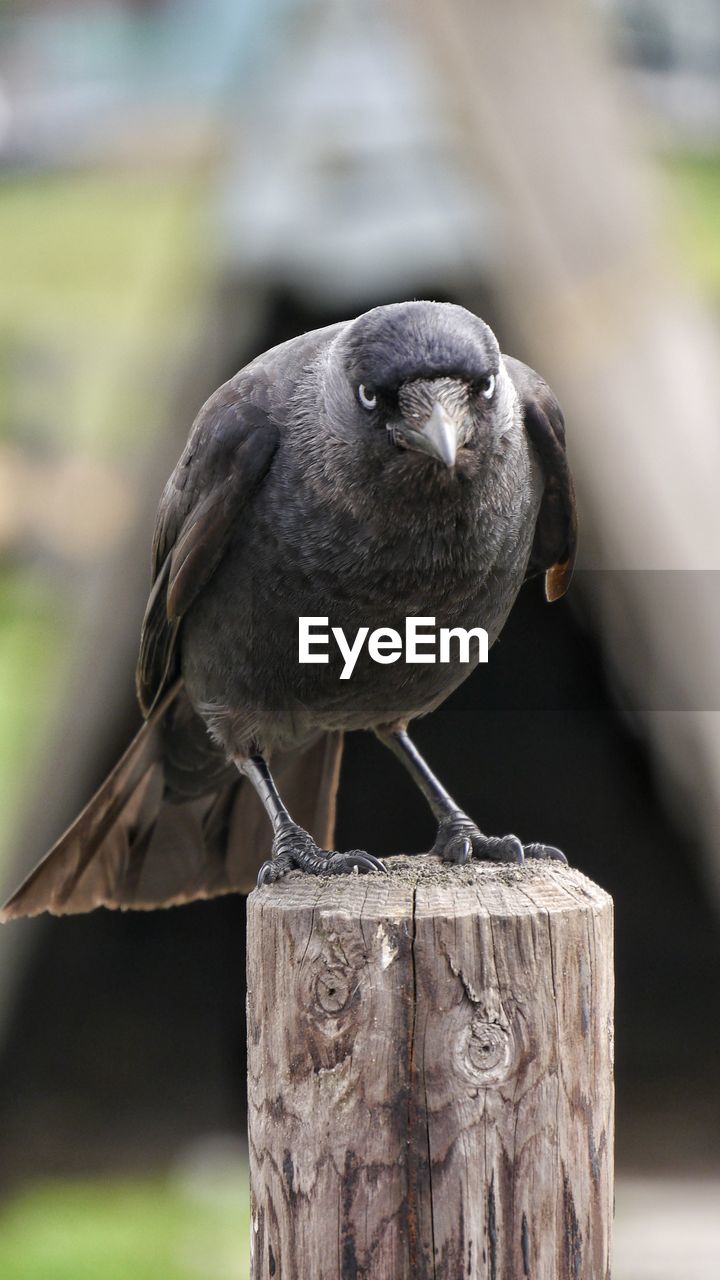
393,466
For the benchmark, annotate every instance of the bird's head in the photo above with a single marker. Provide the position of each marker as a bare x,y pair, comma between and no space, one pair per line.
422,377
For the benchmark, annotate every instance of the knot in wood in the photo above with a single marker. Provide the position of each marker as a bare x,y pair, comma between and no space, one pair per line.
331,991
486,1051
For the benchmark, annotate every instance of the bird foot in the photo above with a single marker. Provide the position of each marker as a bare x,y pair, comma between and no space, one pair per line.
294,847
459,840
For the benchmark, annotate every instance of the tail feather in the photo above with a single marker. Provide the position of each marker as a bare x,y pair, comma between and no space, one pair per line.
133,846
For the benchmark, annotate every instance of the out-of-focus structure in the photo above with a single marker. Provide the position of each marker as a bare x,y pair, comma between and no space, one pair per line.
182,185
588,279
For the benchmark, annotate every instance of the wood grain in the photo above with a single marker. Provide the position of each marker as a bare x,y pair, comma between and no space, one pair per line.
430,1074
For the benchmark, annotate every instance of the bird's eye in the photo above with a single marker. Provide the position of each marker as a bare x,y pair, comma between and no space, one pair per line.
487,387
367,396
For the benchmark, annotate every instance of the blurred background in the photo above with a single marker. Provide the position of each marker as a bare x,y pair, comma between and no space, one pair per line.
183,184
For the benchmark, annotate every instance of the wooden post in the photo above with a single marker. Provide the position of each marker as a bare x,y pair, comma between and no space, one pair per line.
430,1074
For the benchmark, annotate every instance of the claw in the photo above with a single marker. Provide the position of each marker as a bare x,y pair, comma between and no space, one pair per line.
368,862
464,853
267,873
294,847
459,840
459,851
355,860
547,851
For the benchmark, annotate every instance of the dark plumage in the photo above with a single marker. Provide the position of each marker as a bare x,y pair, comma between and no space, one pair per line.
393,466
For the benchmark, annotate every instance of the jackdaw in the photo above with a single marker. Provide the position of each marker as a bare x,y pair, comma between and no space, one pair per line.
393,466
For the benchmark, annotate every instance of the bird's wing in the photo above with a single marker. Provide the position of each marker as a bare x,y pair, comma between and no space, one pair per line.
226,457
555,543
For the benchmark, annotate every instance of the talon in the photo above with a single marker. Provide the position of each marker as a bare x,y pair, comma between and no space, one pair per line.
294,847
459,840
368,862
547,851
267,873
355,861
459,850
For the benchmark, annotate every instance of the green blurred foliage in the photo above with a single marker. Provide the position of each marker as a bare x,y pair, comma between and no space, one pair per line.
696,225
104,280
127,1230
102,274
33,615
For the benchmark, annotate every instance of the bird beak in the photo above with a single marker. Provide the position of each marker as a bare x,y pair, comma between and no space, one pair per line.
438,437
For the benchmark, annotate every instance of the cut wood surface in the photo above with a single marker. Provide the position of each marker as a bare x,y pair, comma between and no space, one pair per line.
430,1074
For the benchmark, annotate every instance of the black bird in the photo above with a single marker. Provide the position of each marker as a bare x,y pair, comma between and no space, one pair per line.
395,465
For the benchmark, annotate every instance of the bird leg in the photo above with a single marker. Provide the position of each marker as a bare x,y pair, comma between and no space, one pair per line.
458,838
292,846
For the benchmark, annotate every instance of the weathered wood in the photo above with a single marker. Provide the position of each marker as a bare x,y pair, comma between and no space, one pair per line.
430,1075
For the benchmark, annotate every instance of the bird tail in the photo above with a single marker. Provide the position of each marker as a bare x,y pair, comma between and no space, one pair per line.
138,844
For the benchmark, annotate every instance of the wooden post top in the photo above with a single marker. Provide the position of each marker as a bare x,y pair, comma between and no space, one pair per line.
421,885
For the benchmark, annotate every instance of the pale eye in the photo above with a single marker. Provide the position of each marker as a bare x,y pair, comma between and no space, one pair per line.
367,397
487,387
